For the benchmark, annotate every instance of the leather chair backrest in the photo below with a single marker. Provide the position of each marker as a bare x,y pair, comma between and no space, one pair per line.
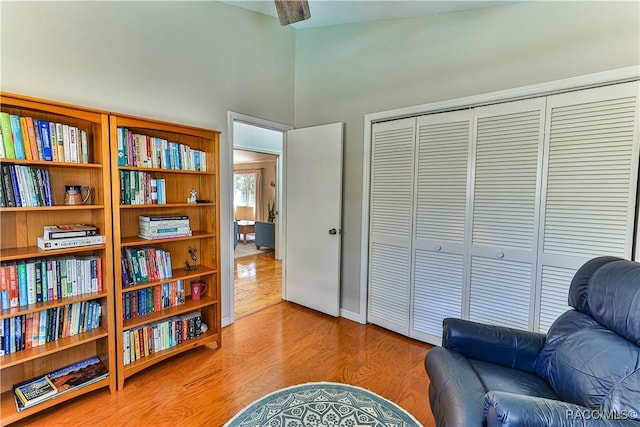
592,354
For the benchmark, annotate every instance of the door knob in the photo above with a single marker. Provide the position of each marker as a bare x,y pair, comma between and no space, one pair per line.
333,231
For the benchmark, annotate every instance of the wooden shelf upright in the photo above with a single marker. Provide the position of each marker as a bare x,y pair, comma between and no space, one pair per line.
20,228
152,162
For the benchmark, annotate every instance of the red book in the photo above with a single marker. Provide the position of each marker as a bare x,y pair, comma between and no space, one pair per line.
157,298
29,331
134,304
13,286
142,343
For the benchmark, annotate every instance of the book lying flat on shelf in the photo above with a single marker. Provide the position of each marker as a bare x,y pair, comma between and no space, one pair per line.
35,391
69,378
53,232
46,245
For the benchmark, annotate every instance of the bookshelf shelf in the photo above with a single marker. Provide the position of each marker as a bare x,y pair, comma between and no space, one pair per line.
189,305
52,164
8,405
21,226
141,364
161,170
137,241
178,274
52,347
12,254
136,144
32,308
169,206
52,208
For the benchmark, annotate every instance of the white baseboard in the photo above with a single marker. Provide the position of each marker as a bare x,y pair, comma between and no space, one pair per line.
350,315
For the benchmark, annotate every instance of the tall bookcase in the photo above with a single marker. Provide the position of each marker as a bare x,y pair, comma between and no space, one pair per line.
145,150
20,228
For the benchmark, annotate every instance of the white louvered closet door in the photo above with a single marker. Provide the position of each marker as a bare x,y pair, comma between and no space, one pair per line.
391,217
442,156
589,182
503,214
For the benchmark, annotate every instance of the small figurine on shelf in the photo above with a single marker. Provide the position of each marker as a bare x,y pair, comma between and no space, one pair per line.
194,258
192,196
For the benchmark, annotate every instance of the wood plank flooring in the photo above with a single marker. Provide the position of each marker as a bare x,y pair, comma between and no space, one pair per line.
272,345
280,346
257,283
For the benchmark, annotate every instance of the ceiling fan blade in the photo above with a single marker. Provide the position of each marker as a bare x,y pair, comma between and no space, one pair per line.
291,11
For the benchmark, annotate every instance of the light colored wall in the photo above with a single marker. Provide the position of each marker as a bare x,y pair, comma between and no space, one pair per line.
346,71
186,62
191,62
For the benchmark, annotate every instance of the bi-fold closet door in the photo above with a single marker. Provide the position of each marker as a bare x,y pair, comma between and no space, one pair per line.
486,213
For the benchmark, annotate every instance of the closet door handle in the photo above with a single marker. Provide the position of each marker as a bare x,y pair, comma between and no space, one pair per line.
437,248
500,254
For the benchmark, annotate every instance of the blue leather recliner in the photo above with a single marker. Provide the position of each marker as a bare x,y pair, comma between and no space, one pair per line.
584,372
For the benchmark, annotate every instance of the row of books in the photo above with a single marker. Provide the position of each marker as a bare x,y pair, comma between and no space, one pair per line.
25,138
146,151
149,339
48,279
24,186
30,330
140,188
163,227
144,265
150,300
59,382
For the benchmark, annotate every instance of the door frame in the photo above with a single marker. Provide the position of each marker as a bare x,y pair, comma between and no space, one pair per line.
619,75
226,202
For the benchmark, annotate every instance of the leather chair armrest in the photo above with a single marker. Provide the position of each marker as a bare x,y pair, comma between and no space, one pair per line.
510,347
511,410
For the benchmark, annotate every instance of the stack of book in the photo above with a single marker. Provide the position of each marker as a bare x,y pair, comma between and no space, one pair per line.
59,382
69,236
163,227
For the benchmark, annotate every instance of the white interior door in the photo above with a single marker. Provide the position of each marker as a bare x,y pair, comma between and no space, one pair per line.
313,180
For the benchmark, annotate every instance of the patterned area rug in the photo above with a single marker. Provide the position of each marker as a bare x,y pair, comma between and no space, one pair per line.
323,405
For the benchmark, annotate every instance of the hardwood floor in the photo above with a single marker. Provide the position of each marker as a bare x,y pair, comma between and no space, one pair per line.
273,344
280,346
257,283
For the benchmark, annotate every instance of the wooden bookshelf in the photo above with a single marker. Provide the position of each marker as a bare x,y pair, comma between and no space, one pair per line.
20,227
204,222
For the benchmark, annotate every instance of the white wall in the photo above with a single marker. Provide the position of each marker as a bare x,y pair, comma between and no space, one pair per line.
186,62
191,62
346,71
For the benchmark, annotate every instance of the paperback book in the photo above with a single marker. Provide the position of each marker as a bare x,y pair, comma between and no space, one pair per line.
47,245
35,391
53,232
67,379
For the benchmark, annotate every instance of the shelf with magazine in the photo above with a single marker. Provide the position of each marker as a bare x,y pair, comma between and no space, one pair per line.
165,195
56,295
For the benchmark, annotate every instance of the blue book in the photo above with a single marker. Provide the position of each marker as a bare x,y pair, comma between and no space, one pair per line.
46,181
46,141
18,333
7,336
22,284
4,297
90,316
142,302
18,143
38,280
122,160
14,183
